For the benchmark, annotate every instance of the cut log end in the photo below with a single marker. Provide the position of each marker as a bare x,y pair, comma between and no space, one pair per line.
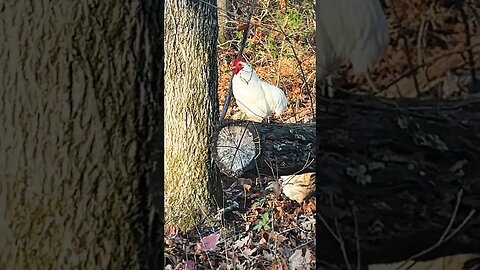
235,149
249,149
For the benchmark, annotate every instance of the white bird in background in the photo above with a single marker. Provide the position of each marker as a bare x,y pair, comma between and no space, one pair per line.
349,30
255,98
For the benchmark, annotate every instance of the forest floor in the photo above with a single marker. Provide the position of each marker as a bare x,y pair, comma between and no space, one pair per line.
430,55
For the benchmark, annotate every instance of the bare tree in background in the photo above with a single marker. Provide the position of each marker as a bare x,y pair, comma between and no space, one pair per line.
79,90
191,111
223,13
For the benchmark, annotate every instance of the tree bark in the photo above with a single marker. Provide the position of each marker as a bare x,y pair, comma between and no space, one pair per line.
79,105
243,148
192,188
400,164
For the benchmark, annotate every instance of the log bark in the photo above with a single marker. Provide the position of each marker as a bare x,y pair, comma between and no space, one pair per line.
244,148
395,168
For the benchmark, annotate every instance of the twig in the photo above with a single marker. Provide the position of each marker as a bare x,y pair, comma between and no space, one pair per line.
405,47
336,235
258,174
341,242
240,52
329,229
468,42
304,244
476,17
357,237
371,83
432,62
302,73
429,62
447,235
307,163
421,40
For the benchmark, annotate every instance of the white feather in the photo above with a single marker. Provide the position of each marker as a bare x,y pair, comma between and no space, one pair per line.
256,98
349,30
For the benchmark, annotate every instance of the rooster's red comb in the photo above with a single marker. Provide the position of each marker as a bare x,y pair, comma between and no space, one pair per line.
238,59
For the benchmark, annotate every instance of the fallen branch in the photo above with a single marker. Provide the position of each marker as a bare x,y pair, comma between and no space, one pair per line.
401,163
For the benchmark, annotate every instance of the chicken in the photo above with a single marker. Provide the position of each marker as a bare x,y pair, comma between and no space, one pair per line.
298,187
256,99
349,30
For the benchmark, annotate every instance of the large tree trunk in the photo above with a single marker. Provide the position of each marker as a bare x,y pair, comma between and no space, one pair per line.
191,110
400,164
77,112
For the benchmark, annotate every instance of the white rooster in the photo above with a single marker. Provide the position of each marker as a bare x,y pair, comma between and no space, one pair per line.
349,30
255,98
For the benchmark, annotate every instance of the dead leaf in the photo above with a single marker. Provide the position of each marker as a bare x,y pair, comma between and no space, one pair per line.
241,242
280,210
296,261
277,265
241,26
249,251
310,207
198,248
169,242
262,241
209,243
190,265
281,238
309,258
277,188
308,224
171,230
268,256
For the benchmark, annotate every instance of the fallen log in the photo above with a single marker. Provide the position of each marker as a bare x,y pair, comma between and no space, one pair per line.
244,148
399,178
